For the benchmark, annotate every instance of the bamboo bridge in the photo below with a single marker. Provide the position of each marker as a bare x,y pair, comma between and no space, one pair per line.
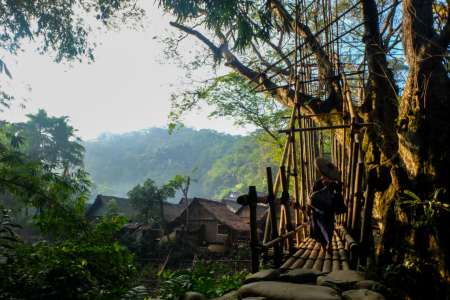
305,142
350,241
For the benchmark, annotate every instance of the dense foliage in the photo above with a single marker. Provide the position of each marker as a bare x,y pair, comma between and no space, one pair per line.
87,266
118,162
148,199
78,259
50,139
211,282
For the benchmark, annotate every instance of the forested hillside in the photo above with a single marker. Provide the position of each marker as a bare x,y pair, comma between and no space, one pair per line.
118,162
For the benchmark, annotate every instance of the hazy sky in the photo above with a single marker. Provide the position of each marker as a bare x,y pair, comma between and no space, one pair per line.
125,89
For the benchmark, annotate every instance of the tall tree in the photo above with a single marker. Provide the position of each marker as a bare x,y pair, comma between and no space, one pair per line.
407,144
149,200
183,182
52,139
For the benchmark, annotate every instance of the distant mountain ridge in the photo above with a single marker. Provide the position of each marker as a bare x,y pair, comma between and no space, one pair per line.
118,162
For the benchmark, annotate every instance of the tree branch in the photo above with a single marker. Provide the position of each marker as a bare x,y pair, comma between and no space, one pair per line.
389,18
266,63
281,95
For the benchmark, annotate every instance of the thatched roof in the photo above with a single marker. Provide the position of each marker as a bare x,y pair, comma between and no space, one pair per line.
134,225
171,211
123,204
183,200
232,205
231,196
221,213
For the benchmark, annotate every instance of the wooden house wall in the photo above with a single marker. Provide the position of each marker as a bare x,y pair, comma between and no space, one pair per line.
198,215
244,213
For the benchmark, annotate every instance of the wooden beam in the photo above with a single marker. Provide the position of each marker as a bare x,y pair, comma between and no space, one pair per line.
326,127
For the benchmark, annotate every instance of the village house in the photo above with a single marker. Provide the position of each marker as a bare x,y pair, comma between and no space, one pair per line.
244,212
98,208
231,200
183,200
232,205
262,220
214,222
231,196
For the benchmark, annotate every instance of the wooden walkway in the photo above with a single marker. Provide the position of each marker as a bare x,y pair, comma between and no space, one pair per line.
311,256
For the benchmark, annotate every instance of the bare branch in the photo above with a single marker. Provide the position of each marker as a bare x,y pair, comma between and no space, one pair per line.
389,19
390,35
266,63
281,95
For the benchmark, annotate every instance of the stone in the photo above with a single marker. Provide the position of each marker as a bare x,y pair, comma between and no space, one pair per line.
227,296
362,294
255,298
192,296
273,290
265,275
341,278
367,284
301,276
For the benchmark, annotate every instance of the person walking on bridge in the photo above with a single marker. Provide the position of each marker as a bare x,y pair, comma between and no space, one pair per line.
324,192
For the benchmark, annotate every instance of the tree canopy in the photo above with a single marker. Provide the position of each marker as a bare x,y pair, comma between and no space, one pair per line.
50,139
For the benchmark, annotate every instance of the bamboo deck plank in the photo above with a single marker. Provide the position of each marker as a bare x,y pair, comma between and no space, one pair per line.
298,264
318,265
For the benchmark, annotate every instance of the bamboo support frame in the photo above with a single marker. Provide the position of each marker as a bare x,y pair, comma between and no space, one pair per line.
346,153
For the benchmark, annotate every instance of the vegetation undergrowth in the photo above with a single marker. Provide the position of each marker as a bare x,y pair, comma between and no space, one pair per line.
83,267
210,281
395,281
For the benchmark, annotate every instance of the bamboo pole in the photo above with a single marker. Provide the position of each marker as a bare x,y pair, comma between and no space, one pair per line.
254,242
366,231
332,148
268,228
305,158
302,166
283,237
352,182
298,220
349,175
320,143
314,144
287,210
310,165
282,163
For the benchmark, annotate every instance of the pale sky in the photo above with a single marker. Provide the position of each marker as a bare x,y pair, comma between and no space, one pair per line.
125,89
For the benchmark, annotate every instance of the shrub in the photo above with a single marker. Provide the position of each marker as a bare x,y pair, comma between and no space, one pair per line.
89,266
211,282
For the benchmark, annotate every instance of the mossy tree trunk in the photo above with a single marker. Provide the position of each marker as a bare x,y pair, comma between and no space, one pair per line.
416,155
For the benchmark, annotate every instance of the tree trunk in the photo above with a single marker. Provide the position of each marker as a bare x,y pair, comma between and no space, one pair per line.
423,135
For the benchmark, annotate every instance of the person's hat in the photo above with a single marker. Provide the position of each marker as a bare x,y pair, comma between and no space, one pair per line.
327,169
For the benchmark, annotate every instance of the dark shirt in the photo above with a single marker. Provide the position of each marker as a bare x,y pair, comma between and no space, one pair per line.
322,222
